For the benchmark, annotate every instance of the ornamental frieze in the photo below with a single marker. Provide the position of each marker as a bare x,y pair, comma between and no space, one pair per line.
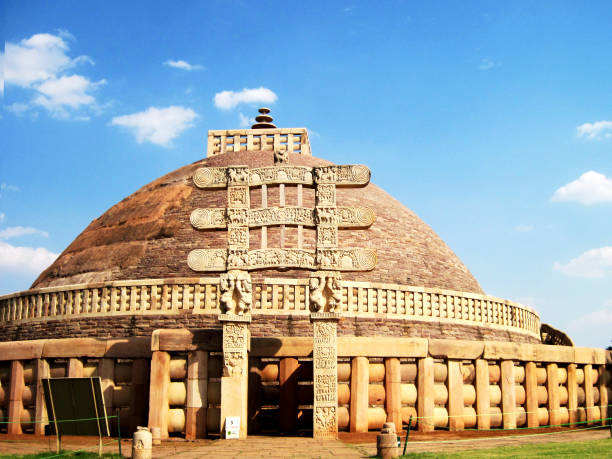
337,259
344,217
220,177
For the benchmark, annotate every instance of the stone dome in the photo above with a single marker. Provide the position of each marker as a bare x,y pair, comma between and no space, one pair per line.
148,235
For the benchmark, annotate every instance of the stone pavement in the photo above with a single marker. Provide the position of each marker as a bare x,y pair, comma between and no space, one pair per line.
280,447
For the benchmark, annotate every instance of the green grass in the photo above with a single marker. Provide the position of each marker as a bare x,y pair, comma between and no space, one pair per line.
49,454
582,449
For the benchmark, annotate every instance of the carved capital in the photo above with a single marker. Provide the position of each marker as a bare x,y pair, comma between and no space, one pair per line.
236,294
325,291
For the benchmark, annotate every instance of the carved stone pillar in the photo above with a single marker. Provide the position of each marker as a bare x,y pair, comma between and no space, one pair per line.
234,381
325,374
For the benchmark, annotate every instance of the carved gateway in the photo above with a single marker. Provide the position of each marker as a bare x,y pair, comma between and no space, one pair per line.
238,217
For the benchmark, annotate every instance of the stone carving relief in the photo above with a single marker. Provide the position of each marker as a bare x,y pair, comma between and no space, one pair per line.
281,157
355,217
289,258
326,216
345,217
281,174
238,237
327,392
207,259
326,259
325,292
208,218
326,195
325,417
281,216
238,196
238,217
238,175
233,363
327,236
236,293
343,175
210,177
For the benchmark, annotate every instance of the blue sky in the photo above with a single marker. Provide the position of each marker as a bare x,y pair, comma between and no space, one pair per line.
493,122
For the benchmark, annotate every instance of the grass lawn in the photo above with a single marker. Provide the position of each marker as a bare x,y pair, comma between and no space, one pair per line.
79,454
582,449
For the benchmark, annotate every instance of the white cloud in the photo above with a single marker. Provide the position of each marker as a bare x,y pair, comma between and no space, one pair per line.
2,217
17,231
245,121
595,264
157,125
17,108
486,64
183,65
226,100
24,259
72,91
590,188
596,130
523,228
40,64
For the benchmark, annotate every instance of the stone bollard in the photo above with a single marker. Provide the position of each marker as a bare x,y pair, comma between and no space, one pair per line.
156,433
386,442
142,444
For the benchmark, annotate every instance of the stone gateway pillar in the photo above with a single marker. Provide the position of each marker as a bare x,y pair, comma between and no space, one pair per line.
235,302
325,374
324,297
234,381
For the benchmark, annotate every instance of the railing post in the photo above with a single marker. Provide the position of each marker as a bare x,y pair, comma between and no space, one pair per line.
483,400
508,394
360,379
425,395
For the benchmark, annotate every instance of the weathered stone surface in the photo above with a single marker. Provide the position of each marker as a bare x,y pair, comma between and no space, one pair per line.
590,356
149,234
455,349
23,350
83,347
382,347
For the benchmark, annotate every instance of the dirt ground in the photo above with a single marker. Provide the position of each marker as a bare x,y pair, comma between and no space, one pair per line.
348,446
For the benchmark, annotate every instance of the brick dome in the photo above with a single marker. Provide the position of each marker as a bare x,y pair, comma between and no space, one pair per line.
148,234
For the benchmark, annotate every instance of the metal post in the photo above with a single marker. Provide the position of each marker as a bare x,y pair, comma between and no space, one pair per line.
407,435
119,430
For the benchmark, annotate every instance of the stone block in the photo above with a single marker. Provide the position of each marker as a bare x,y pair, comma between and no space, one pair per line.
455,349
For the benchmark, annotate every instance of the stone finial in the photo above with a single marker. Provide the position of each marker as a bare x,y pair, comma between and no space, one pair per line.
263,121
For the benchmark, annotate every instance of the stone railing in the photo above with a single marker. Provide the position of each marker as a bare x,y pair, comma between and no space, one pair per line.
272,296
293,140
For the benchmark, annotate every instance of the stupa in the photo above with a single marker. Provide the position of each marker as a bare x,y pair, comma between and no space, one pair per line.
270,285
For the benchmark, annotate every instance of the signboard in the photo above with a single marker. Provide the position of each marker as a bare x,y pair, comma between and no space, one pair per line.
75,406
232,427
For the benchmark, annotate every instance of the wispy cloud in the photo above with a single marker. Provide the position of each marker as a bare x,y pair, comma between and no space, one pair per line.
523,228
487,64
245,121
226,100
24,259
602,317
41,64
17,231
2,216
595,264
8,187
157,125
183,65
595,131
590,188
2,78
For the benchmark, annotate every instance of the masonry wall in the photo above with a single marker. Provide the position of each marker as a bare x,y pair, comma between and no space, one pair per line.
262,326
